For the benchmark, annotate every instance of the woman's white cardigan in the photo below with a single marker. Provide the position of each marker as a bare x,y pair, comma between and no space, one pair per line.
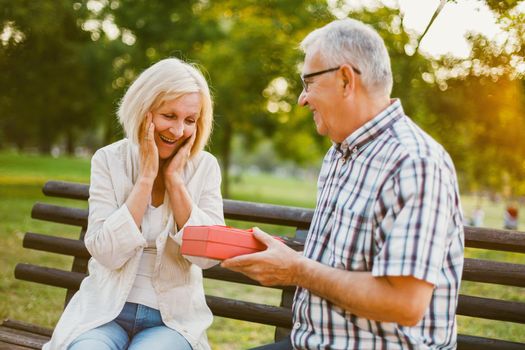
116,245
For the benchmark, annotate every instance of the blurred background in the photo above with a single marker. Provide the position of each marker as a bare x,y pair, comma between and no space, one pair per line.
65,64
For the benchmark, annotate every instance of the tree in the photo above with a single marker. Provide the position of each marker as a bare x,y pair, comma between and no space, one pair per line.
45,84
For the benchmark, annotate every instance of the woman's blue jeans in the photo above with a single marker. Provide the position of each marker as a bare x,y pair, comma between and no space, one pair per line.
138,327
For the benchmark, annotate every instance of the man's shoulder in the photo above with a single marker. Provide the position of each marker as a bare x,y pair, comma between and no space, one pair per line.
414,143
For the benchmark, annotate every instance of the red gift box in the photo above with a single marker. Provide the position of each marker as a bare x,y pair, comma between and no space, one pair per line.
219,242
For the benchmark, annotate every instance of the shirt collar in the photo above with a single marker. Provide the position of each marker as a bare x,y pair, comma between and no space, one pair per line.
371,129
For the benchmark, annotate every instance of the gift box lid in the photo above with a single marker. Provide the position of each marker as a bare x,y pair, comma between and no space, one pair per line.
219,242
224,235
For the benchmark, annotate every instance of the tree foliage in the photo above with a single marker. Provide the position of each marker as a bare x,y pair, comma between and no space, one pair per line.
65,69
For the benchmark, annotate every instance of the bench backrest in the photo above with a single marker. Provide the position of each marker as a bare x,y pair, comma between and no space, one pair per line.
476,270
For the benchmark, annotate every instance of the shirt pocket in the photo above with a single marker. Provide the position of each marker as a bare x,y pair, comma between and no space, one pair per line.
350,241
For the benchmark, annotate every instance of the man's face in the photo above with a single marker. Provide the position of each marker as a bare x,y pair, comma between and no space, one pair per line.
322,97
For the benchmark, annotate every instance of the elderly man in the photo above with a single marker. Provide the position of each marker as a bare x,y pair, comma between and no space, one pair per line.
383,258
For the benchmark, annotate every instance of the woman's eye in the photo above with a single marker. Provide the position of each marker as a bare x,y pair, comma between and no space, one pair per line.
168,116
190,121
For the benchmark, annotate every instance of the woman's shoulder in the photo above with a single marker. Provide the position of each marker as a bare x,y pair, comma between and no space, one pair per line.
204,159
115,149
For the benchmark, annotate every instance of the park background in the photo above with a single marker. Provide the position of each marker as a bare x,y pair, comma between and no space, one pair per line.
65,64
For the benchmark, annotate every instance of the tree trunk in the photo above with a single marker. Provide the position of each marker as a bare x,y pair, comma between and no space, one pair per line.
70,144
44,143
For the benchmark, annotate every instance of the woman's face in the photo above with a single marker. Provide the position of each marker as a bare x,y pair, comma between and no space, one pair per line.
175,121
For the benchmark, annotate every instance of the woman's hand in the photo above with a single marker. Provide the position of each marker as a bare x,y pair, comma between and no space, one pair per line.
174,167
149,154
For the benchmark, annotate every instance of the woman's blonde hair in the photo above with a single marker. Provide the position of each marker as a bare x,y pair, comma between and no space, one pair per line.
166,80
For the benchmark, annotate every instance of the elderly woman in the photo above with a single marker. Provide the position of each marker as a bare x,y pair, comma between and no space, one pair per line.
141,293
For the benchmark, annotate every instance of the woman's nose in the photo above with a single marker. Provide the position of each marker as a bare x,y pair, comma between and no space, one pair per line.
177,129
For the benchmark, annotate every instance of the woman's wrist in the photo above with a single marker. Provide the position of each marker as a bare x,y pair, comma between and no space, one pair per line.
145,180
173,181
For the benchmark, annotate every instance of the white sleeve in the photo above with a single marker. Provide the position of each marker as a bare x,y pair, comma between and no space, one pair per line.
206,210
112,236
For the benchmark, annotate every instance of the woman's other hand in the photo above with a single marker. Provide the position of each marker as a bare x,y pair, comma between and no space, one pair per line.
174,167
149,154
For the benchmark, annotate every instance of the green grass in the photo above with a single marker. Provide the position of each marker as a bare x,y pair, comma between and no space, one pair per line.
21,179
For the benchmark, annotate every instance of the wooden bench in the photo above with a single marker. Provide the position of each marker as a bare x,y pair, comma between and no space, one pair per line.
19,335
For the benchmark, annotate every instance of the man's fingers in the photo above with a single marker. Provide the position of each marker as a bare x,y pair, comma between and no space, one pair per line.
263,237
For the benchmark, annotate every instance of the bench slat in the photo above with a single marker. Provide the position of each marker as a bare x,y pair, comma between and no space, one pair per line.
28,327
493,309
59,245
71,280
487,271
248,311
484,238
233,209
475,269
49,276
468,342
65,189
60,214
468,305
222,274
494,239
21,338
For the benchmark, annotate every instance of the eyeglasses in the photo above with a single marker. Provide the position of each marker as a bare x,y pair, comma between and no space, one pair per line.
310,75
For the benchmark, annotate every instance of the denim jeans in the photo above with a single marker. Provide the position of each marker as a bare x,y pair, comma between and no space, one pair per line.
137,327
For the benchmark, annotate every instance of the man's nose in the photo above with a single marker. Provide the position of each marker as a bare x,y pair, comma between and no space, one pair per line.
302,99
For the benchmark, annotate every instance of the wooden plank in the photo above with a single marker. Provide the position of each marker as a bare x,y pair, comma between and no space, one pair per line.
475,237
492,309
233,209
71,280
222,274
494,239
21,338
49,276
9,346
60,214
53,244
268,213
28,327
63,189
252,312
487,271
468,342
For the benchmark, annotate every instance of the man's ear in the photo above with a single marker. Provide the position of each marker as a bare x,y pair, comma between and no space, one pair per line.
348,76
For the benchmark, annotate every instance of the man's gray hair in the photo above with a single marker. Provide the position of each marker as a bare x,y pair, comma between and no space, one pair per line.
348,41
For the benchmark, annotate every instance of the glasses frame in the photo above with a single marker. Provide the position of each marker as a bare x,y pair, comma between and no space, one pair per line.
310,75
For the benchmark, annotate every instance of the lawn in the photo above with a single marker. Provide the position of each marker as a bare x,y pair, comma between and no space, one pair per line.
21,178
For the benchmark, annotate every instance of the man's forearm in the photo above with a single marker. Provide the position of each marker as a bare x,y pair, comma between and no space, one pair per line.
389,299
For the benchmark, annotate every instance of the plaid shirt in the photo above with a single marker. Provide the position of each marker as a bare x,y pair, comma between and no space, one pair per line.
387,203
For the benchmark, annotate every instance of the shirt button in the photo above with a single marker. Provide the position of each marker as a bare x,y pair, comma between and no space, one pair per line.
297,325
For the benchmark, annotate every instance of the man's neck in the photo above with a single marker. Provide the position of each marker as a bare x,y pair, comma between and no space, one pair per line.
360,112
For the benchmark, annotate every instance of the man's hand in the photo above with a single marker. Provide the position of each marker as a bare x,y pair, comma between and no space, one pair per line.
277,265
